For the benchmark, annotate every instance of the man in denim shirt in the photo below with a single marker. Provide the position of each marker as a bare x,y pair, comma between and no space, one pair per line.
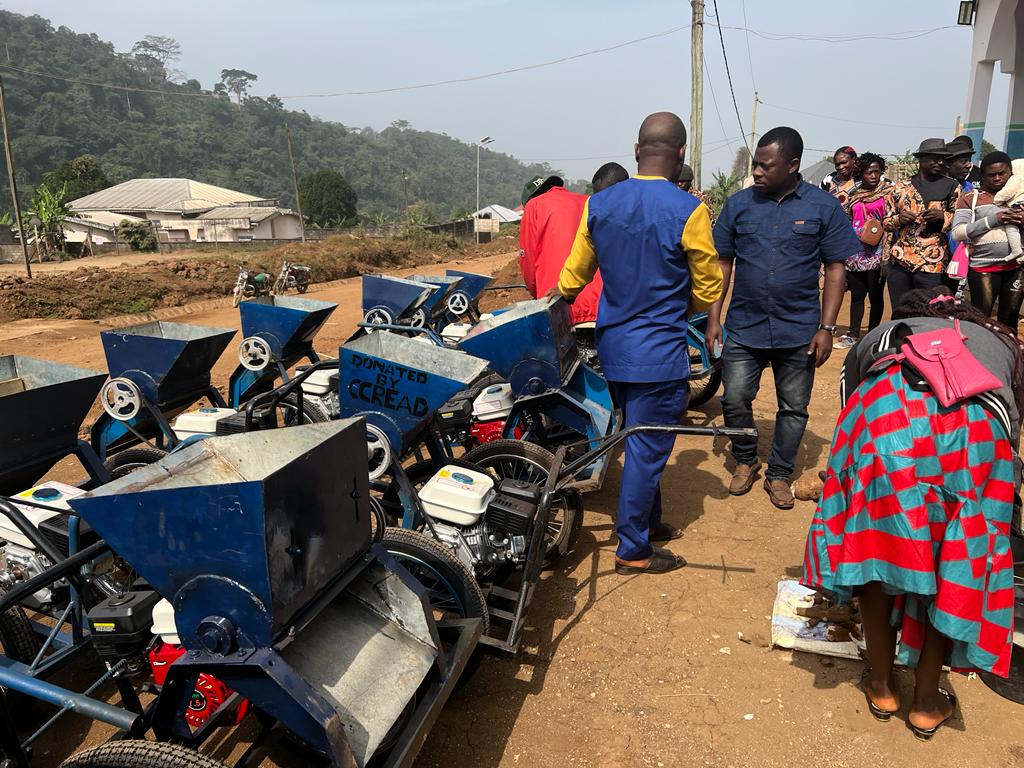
775,236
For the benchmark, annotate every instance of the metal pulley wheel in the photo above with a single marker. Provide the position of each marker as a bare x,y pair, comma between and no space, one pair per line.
254,353
458,303
418,319
378,316
121,399
378,451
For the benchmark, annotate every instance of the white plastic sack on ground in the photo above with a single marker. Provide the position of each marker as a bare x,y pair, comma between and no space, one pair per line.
792,631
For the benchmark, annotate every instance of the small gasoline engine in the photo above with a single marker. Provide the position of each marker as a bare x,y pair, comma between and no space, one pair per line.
487,526
474,417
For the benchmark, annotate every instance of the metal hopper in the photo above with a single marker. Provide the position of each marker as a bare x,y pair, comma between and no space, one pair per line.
277,333
394,300
262,543
532,345
470,287
156,370
398,383
42,407
437,304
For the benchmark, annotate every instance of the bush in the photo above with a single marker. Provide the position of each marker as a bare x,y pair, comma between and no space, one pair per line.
138,234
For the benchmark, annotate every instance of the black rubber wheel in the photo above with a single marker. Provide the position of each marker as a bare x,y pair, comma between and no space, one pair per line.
140,754
313,411
130,459
702,388
302,287
451,586
519,460
19,640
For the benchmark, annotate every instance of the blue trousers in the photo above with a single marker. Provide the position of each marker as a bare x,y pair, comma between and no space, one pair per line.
646,455
794,377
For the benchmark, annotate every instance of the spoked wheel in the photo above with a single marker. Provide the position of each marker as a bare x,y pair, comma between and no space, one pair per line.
703,384
451,587
140,754
528,462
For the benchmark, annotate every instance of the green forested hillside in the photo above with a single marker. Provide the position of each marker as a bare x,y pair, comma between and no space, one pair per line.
210,137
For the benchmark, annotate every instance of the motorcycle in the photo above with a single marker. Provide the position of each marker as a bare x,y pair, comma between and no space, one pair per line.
249,285
292,276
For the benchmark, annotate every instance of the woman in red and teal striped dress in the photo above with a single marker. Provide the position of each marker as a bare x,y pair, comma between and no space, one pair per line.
917,508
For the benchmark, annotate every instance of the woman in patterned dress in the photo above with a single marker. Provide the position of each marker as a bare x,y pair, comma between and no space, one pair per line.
915,515
866,202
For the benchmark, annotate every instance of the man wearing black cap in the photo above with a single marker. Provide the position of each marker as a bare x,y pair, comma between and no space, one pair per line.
919,214
551,216
960,164
685,183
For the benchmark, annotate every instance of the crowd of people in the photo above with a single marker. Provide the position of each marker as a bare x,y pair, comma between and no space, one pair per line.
923,476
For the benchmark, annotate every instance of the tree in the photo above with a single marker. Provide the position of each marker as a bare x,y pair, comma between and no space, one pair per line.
51,208
328,200
723,187
138,234
81,176
739,164
237,81
162,49
986,147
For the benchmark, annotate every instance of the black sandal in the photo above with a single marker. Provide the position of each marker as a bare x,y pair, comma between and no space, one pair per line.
881,715
662,562
665,533
926,734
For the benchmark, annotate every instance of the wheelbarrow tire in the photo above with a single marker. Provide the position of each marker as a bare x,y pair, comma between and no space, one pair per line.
520,460
313,411
19,640
423,555
708,391
140,754
127,461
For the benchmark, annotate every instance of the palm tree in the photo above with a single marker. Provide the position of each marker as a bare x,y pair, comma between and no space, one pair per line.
723,187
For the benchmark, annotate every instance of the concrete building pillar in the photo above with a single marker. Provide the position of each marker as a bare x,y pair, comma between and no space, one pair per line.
978,90
1015,117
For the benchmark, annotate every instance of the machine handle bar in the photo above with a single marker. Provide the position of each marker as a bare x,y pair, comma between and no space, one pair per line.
429,332
65,568
277,394
570,470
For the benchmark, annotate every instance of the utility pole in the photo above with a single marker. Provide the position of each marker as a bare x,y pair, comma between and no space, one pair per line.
958,127
483,142
295,183
753,137
697,89
10,178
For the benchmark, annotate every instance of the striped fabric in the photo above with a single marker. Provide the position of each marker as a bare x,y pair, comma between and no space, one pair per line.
920,498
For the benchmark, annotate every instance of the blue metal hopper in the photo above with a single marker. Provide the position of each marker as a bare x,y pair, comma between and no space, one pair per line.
437,304
532,345
42,407
392,300
472,284
262,544
157,370
277,333
397,383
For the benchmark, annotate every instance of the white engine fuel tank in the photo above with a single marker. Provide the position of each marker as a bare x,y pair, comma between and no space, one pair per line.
201,422
495,402
51,494
457,495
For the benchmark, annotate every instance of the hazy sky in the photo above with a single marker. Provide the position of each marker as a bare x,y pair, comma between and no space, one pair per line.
579,113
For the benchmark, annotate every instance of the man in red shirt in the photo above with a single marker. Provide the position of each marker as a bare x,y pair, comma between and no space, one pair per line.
551,216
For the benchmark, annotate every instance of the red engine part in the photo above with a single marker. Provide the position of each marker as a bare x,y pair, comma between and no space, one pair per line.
489,431
208,695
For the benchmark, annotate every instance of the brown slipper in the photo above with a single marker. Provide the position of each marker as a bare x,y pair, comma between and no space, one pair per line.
743,478
779,492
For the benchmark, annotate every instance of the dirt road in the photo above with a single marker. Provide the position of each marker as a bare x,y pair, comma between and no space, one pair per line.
653,671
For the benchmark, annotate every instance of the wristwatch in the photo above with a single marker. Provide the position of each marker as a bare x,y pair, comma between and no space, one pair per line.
830,328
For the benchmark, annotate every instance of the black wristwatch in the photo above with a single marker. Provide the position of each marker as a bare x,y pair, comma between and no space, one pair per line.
830,328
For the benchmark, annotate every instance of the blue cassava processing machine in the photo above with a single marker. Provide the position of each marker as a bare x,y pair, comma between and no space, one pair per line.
157,370
259,554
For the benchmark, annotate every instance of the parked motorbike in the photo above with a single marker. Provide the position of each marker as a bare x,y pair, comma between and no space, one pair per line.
292,276
249,285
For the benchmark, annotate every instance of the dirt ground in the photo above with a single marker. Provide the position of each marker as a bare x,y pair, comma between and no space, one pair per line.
671,670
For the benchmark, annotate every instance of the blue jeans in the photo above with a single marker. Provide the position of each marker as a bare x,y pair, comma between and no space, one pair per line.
646,456
794,375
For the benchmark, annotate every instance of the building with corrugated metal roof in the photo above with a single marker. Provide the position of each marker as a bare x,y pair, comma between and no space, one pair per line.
184,210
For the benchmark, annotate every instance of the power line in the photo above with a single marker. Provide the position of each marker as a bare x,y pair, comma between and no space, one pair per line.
850,120
714,99
728,75
717,144
746,34
911,34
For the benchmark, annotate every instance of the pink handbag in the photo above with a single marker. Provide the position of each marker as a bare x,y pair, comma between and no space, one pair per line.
952,372
959,262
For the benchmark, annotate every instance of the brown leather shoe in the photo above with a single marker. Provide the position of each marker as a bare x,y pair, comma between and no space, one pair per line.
779,492
743,478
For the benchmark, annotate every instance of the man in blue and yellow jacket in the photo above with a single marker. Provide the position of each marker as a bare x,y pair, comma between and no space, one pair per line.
652,242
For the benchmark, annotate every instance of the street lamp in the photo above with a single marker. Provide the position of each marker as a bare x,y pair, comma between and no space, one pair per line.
483,142
968,8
